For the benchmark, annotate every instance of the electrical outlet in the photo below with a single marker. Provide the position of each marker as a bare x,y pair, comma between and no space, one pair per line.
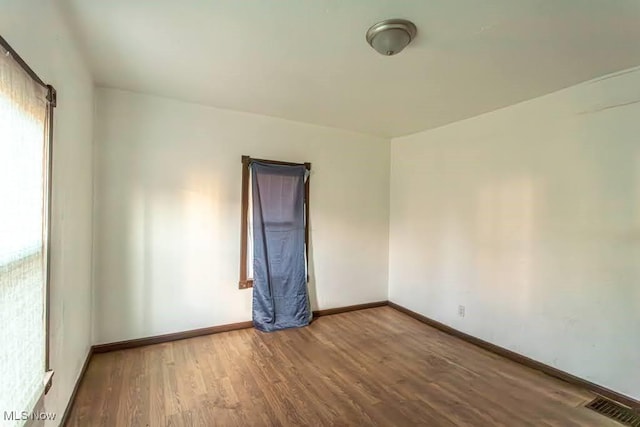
461,310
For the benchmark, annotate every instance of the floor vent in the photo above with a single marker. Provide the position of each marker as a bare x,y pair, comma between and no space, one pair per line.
615,411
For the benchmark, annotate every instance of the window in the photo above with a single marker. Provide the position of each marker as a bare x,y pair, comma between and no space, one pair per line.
246,226
26,113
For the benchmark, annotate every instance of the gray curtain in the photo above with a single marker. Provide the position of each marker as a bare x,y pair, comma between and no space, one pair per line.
280,296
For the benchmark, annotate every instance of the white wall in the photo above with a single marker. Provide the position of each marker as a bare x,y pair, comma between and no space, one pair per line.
530,217
167,224
37,32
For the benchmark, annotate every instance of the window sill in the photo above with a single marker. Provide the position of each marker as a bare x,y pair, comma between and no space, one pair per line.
246,284
48,381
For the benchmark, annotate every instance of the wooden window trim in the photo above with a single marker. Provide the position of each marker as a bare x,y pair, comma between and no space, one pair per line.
247,282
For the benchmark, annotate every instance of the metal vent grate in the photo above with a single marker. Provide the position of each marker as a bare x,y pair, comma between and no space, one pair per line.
615,411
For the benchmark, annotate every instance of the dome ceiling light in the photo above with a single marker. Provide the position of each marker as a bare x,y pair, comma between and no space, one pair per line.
391,36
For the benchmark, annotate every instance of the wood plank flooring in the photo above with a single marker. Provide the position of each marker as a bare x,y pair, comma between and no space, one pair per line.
368,367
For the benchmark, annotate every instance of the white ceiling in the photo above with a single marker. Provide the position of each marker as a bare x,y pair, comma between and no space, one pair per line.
307,60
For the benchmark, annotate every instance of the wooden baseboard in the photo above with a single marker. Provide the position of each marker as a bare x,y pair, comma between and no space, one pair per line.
72,398
141,342
329,311
523,360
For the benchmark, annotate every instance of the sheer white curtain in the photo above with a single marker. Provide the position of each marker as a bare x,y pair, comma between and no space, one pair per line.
23,115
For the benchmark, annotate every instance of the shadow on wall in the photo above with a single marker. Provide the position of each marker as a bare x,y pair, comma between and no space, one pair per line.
168,261
313,295
636,231
505,221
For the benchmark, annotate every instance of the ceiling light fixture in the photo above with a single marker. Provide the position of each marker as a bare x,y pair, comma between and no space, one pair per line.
391,36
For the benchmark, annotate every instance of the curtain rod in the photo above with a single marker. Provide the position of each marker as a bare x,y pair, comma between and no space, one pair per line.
247,159
51,92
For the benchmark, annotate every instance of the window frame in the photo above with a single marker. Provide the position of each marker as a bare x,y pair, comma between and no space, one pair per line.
52,101
247,282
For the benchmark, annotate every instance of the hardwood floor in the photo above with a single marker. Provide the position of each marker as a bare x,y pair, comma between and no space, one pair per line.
368,367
